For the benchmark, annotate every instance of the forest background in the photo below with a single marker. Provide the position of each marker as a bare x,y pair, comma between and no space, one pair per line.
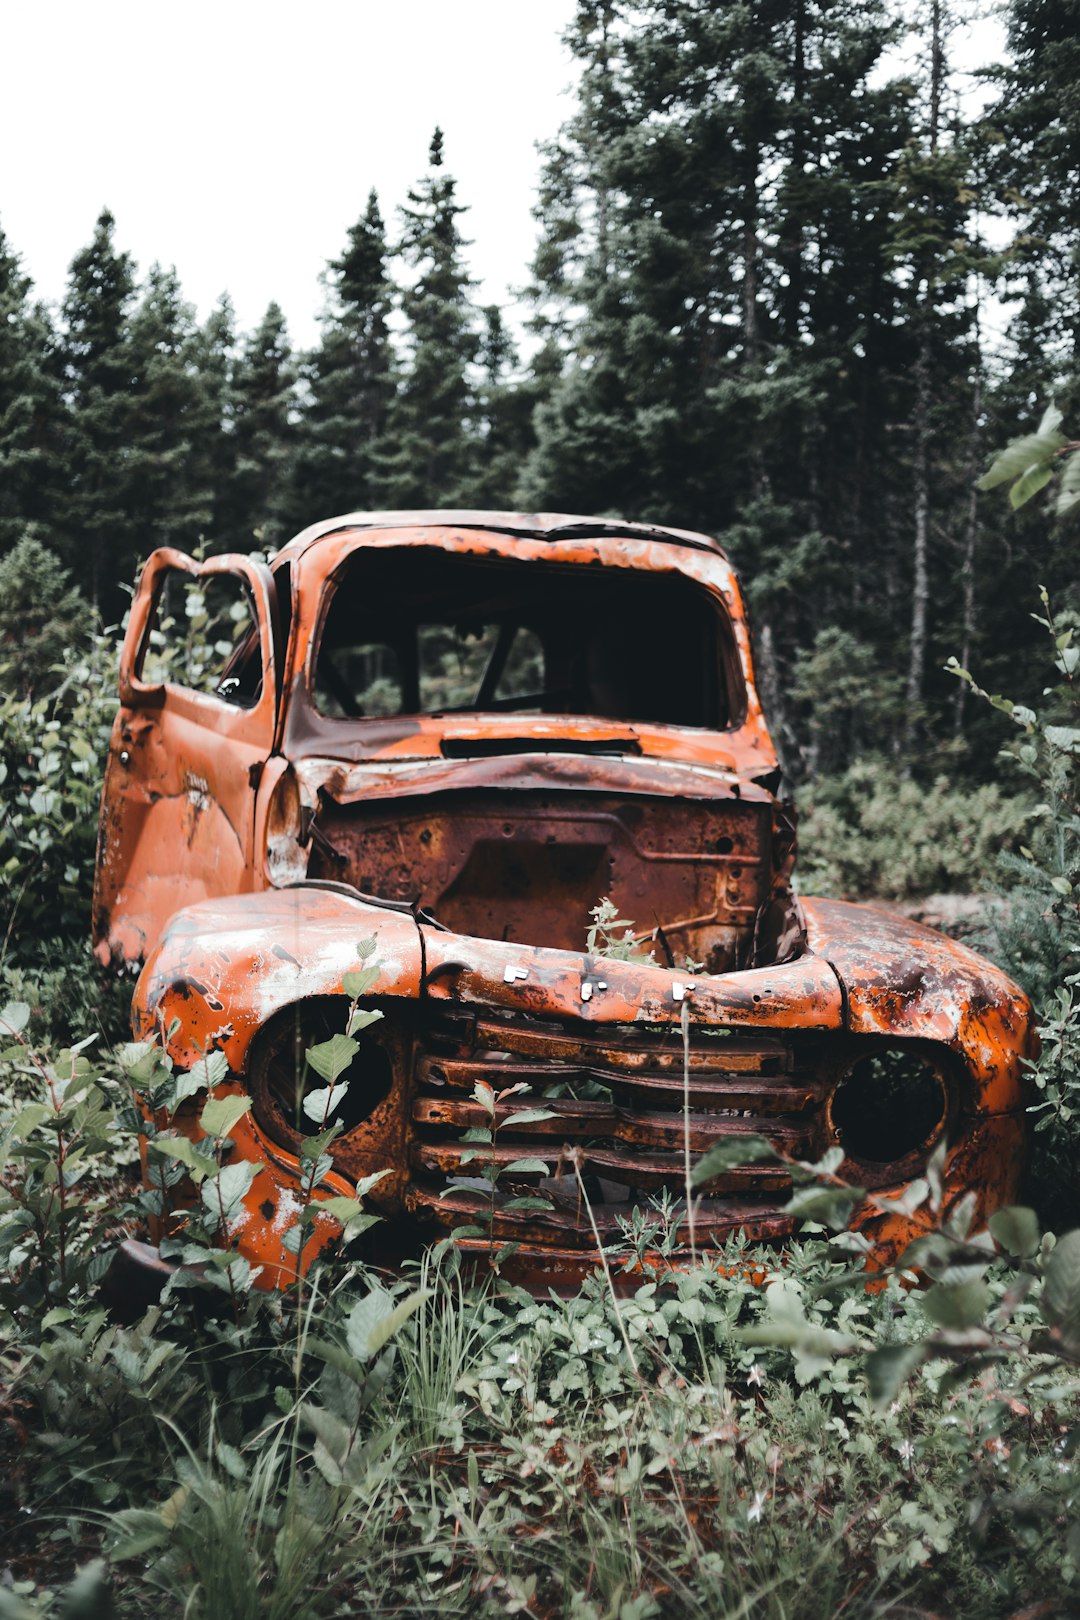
765,303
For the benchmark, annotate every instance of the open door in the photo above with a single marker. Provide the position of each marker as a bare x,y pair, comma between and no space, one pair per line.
198,696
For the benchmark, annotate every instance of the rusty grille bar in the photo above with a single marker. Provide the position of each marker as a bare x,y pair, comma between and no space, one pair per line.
647,1097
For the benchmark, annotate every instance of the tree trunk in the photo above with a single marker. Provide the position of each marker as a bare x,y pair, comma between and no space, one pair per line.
971,537
920,582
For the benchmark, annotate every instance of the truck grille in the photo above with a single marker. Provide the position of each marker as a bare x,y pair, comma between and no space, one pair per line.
624,1103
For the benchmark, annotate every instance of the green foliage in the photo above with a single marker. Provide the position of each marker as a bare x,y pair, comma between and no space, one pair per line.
263,440
350,377
44,620
429,451
612,936
1038,932
1028,464
874,831
383,1446
53,748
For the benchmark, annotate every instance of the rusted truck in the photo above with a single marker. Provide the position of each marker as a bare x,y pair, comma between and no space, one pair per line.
458,733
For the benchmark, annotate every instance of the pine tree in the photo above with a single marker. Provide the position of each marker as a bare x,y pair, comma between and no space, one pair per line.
96,525
717,216
263,408
43,619
431,446
349,377
30,406
214,351
1038,115
174,421
505,409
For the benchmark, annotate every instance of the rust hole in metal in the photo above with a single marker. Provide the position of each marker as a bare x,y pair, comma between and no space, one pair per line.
889,1104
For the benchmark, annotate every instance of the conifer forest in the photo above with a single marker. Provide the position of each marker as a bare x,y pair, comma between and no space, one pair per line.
806,280
789,290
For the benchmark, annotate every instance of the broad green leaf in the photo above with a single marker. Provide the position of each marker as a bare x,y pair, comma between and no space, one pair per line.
729,1155
375,1319
484,1095
890,1367
1021,454
784,1303
223,1194
1033,480
1016,1229
359,981
14,1017
1068,498
362,1018
388,1326
230,1459
525,1167
331,1058
135,1532
1052,419
957,1305
30,1117
342,1209
89,1595
366,947
832,1205
1061,1287
528,1116
211,1070
365,1184
186,1085
320,1104
197,1161
221,1113
364,1317
335,1356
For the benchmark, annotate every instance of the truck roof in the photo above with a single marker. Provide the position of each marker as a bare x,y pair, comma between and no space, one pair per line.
529,525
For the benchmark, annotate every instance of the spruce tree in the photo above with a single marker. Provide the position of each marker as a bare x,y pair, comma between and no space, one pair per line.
43,619
1035,164
96,522
349,379
174,422
30,406
717,218
263,408
214,350
431,455
505,411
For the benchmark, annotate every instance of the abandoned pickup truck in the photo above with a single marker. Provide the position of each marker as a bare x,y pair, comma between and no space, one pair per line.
456,734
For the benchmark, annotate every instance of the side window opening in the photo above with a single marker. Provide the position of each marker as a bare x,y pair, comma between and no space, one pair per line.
433,632
204,636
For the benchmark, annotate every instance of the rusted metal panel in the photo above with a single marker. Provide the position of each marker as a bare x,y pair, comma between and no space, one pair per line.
179,801
471,844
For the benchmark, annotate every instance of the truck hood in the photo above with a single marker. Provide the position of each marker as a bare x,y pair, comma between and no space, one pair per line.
527,765
225,967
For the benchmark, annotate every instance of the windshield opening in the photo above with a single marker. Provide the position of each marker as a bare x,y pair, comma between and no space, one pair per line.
424,631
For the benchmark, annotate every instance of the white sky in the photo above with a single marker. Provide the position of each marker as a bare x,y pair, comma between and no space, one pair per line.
238,139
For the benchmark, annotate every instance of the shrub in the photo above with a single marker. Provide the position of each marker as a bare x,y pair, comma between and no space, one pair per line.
1037,935
53,748
43,618
870,831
